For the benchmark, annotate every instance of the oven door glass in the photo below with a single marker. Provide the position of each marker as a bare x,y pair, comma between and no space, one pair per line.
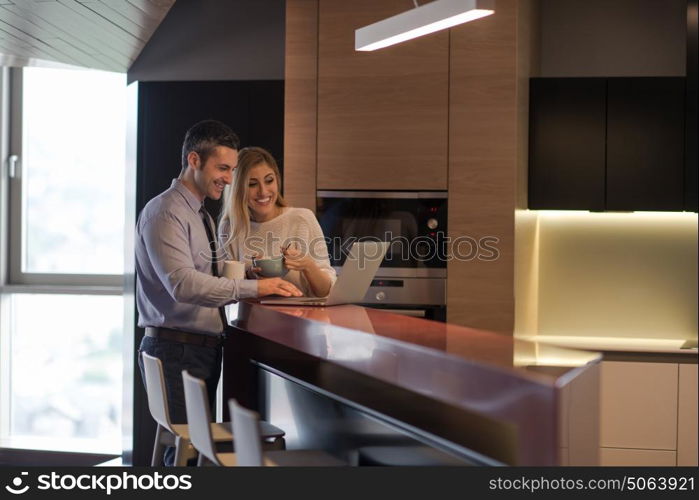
416,225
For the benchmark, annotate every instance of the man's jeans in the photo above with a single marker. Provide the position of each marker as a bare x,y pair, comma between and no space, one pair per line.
201,362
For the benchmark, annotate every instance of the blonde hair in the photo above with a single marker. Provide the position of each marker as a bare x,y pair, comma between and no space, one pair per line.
235,198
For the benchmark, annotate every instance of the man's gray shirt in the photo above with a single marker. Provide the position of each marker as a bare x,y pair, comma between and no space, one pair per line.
174,284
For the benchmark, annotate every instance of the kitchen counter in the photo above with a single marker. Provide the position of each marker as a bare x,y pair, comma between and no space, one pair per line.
476,395
615,348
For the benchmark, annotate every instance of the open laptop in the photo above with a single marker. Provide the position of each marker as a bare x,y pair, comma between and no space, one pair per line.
355,277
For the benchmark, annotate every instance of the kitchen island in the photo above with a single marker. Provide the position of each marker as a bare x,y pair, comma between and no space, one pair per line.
648,397
377,387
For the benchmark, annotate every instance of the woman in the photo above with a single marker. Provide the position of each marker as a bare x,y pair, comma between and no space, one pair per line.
256,221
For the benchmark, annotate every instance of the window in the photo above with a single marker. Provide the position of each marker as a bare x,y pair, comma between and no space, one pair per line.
65,371
68,150
62,303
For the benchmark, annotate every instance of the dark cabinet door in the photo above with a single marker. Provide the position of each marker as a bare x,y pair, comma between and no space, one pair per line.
645,143
691,161
567,143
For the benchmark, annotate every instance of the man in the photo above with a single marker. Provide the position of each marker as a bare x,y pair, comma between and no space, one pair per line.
179,292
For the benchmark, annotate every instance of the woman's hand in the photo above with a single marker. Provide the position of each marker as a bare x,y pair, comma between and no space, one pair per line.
296,261
319,281
252,272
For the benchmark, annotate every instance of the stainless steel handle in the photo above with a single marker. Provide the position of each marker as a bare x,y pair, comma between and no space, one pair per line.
417,313
383,194
14,167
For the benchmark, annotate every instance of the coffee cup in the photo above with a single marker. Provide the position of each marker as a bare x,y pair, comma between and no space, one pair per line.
234,270
270,267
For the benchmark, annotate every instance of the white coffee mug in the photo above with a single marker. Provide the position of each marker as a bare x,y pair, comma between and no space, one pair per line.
234,270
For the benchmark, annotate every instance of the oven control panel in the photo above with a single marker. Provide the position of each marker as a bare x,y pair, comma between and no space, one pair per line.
407,291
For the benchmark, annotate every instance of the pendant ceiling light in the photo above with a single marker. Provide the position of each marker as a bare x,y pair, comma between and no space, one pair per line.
422,20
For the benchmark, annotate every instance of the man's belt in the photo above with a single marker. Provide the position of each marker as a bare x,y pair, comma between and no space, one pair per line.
199,339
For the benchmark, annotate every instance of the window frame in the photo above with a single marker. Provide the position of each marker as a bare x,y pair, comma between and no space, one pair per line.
16,247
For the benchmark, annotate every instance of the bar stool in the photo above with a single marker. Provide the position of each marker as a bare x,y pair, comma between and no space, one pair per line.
248,452
201,434
167,433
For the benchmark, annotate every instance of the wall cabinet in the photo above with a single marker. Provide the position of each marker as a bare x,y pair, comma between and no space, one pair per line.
382,116
607,144
645,144
566,143
691,148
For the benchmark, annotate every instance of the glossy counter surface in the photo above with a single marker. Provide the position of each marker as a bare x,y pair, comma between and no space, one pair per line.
503,397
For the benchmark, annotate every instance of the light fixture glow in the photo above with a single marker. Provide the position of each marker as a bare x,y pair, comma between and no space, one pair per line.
428,18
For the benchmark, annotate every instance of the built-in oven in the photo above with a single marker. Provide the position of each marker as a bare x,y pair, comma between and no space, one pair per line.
412,276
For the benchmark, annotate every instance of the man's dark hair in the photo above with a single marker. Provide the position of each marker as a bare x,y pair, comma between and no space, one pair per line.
204,136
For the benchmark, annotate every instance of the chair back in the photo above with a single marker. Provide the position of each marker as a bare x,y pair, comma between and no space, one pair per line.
196,403
155,388
246,435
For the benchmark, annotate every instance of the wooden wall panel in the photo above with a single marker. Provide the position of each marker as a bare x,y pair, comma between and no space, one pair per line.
483,162
383,115
300,102
526,264
446,111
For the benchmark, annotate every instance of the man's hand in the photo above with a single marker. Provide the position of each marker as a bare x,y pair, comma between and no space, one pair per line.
277,286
